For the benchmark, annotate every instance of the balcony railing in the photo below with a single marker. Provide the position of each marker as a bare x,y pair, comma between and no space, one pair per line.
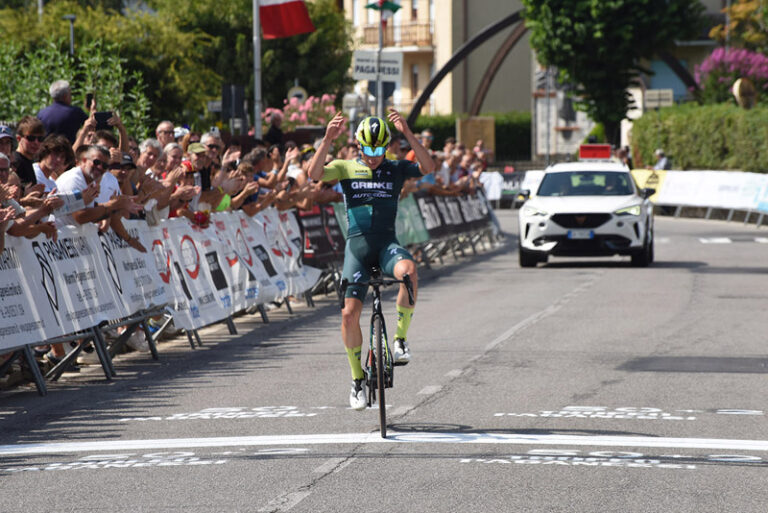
405,34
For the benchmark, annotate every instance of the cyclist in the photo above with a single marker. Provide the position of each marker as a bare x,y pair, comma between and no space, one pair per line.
371,188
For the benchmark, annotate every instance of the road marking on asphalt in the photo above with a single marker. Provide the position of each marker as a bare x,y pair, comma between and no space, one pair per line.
429,390
761,240
375,437
333,465
402,410
455,373
715,240
538,316
285,502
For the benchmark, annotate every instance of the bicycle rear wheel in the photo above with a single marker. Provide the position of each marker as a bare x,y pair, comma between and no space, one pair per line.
381,383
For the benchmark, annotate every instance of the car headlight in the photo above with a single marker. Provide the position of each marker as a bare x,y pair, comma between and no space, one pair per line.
533,211
634,210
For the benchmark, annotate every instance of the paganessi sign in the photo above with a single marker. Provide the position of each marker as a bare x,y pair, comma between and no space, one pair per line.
364,65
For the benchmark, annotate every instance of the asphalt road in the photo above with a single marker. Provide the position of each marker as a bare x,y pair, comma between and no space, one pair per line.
580,386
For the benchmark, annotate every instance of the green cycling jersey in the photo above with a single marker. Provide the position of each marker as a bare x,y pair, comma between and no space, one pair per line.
371,195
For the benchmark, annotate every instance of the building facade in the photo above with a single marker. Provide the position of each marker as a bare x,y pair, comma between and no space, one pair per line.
428,33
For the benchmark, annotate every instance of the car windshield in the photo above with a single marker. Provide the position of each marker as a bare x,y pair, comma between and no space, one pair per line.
586,183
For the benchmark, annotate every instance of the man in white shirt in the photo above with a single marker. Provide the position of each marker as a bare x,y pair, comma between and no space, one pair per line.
84,180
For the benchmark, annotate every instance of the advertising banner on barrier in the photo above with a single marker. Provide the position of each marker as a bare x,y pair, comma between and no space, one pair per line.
24,318
133,274
198,304
70,279
320,245
263,232
410,227
243,285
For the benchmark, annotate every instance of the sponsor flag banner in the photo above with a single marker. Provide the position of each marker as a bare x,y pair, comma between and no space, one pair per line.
284,18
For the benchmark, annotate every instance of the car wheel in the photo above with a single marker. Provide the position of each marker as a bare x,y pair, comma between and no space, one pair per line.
527,258
645,257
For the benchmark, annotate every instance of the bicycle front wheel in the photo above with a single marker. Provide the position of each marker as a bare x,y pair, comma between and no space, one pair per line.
381,381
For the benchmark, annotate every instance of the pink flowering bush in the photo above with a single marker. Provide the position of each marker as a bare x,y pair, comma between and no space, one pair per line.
720,70
313,111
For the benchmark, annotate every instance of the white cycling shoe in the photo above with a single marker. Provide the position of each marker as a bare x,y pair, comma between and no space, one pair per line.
401,354
357,400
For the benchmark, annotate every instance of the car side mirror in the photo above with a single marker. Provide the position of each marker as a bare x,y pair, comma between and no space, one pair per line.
648,192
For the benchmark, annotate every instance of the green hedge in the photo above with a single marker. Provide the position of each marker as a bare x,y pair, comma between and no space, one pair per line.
513,133
704,137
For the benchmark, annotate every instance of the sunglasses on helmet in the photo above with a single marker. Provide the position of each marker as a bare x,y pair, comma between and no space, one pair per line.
372,151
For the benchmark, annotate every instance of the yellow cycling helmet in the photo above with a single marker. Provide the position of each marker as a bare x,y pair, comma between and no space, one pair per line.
373,133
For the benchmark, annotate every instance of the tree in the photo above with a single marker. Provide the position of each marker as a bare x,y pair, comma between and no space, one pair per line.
598,46
95,67
748,27
319,60
167,58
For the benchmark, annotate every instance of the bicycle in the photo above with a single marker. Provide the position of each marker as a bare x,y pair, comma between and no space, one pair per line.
378,376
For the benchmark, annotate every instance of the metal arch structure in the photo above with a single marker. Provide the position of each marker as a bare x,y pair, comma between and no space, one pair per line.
463,51
493,68
490,73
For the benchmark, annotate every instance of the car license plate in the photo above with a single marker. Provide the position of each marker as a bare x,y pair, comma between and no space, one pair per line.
581,234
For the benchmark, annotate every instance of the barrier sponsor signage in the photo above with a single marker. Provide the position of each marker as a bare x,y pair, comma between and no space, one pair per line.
202,275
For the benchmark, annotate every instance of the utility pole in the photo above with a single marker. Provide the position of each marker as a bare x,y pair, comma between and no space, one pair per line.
256,70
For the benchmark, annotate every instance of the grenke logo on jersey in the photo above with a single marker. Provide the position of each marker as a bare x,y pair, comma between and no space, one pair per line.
379,186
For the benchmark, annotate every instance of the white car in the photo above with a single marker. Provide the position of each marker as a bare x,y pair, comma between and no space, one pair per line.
587,209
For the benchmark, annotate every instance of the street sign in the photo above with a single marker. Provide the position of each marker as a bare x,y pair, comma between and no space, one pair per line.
364,65
656,98
214,106
298,92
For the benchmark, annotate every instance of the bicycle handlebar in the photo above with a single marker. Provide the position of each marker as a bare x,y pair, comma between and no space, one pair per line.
378,282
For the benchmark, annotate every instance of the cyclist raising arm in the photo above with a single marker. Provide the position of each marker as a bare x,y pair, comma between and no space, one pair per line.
371,187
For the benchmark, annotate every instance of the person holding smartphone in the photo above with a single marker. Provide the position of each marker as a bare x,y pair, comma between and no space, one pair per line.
61,117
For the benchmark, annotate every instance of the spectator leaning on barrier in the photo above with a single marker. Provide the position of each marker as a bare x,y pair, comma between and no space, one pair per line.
6,140
30,133
173,156
84,180
165,133
61,117
149,151
54,154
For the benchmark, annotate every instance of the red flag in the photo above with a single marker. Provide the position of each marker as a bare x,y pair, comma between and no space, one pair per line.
284,18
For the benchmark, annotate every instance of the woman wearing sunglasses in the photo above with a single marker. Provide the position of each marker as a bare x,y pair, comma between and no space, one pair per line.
371,187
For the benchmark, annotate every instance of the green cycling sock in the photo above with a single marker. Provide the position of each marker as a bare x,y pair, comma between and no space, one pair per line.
353,355
404,316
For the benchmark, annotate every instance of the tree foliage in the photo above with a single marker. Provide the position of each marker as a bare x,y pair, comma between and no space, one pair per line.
598,45
96,67
186,49
747,28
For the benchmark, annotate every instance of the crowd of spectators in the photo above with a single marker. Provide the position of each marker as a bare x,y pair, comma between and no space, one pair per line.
63,166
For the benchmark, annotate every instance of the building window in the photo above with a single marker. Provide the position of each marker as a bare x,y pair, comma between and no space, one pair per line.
355,13
414,80
414,10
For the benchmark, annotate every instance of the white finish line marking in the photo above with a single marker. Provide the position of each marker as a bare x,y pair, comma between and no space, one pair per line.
393,437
